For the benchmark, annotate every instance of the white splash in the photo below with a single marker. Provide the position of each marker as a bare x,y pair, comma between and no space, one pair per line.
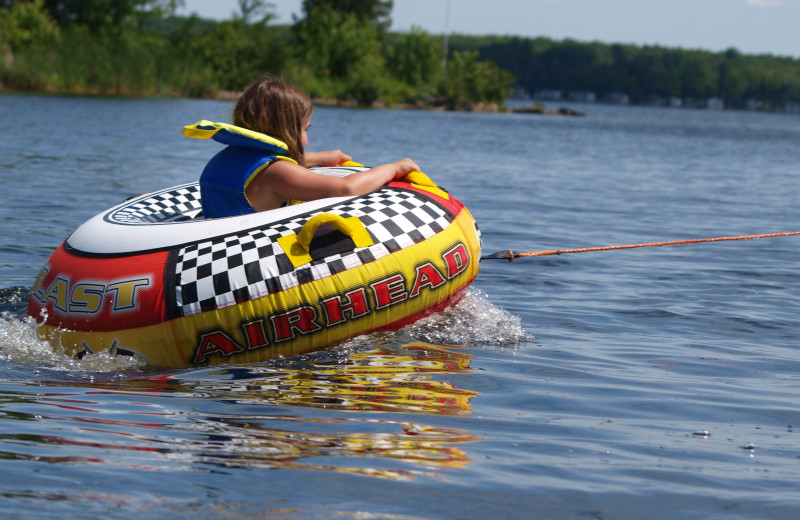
19,343
473,322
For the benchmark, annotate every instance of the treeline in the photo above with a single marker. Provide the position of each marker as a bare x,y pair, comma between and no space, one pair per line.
648,74
342,50
338,50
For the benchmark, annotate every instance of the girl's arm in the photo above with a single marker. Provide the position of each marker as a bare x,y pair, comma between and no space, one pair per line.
283,180
328,158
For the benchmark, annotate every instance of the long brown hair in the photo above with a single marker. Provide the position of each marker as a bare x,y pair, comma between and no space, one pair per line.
277,108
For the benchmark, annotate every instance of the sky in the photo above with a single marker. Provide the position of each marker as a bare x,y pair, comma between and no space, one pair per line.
751,26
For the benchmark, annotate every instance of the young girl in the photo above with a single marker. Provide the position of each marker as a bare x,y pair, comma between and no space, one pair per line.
256,173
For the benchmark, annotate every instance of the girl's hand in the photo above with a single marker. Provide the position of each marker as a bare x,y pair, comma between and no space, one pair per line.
326,158
285,180
403,167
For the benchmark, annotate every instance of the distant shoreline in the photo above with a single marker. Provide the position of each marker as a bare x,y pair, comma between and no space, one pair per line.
227,95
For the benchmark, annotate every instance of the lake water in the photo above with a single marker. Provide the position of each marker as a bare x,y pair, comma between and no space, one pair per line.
655,383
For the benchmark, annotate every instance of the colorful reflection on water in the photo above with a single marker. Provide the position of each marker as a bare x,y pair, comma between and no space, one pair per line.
150,421
391,379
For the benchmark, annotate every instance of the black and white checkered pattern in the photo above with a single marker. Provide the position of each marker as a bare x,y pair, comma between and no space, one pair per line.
173,205
227,270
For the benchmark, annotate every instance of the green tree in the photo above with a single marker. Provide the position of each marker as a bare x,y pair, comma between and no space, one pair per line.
731,83
374,12
416,59
469,81
255,8
26,25
337,45
520,55
97,14
570,64
226,55
697,78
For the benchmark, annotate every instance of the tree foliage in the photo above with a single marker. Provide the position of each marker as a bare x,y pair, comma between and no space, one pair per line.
416,59
25,25
340,49
469,79
337,45
232,52
331,42
644,73
342,41
255,8
374,12
97,14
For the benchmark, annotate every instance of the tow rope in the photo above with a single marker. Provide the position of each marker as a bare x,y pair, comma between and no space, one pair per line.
510,255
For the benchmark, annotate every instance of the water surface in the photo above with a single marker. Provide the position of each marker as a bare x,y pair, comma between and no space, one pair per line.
648,383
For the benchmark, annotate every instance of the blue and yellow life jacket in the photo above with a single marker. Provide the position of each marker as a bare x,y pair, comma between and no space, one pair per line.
227,174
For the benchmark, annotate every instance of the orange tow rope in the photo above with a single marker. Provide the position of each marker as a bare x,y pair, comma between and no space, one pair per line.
510,255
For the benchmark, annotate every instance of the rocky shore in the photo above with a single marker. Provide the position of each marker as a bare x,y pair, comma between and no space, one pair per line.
539,109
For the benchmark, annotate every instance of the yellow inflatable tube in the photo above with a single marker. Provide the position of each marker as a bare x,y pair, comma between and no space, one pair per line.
192,292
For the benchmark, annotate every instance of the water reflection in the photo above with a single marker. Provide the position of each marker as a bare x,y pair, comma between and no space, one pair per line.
249,443
398,379
236,417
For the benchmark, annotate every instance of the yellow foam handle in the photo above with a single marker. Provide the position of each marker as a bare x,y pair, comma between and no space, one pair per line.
351,227
419,178
423,182
297,246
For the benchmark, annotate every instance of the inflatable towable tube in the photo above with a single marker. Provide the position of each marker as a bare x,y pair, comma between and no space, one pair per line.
150,279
